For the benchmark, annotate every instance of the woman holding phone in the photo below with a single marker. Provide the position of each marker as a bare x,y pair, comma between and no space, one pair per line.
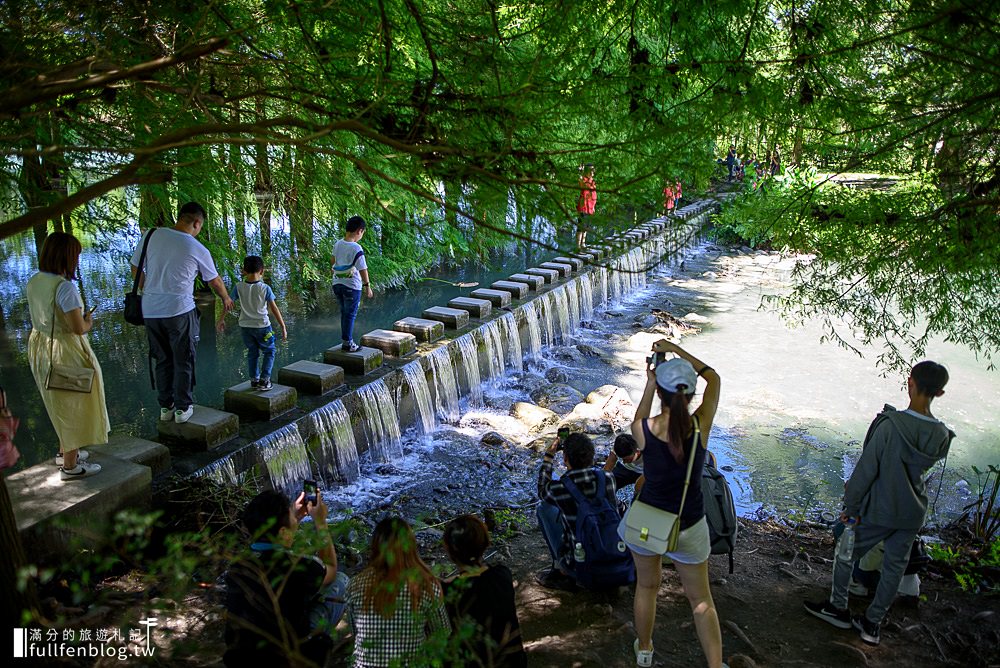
59,326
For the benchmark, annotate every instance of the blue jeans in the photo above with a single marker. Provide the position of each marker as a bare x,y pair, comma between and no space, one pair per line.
327,612
259,340
551,523
349,301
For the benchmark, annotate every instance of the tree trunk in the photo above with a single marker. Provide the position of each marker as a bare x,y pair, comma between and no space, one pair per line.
263,189
236,174
797,146
15,602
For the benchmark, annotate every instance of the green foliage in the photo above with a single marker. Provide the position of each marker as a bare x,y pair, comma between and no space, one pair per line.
985,511
974,570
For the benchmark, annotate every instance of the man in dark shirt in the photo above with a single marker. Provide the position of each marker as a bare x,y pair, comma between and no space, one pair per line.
282,605
557,510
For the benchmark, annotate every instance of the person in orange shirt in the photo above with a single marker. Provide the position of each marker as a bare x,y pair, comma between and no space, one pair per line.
586,204
668,199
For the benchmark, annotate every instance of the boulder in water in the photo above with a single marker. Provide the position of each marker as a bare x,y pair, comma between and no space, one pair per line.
535,418
494,438
540,444
585,425
557,375
588,351
557,397
694,317
613,403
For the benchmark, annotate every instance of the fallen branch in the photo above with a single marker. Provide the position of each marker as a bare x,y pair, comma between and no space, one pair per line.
937,643
738,632
862,657
790,573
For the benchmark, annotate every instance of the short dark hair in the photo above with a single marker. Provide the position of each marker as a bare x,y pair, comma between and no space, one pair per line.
625,445
60,254
579,451
253,264
930,377
466,539
266,514
192,209
355,223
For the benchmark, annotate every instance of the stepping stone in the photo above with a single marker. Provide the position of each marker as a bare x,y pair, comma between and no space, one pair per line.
452,318
477,308
534,282
136,450
259,404
424,330
550,275
563,269
358,363
576,262
311,377
54,516
516,290
596,251
207,429
590,256
397,344
498,298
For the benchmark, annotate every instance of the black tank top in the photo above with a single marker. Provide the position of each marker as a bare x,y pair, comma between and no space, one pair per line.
664,484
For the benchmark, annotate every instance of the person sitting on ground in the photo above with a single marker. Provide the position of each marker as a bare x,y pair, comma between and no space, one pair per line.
395,603
281,605
558,510
886,498
350,275
482,595
256,298
624,461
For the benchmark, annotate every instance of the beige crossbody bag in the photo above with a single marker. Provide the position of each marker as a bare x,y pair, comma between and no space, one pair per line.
64,376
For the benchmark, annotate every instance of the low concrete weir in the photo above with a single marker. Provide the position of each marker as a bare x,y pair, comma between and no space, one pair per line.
425,389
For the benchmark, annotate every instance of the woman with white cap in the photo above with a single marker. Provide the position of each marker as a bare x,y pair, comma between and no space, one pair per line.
668,441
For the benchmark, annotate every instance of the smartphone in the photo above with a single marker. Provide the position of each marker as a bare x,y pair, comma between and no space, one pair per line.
562,433
92,309
311,490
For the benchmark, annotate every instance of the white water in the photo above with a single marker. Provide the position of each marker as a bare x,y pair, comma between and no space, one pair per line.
445,385
332,425
382,423
515,355
534,330
285,458
415,378
470,360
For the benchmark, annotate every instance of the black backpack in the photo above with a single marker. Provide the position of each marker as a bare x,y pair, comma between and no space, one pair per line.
607,561
720,512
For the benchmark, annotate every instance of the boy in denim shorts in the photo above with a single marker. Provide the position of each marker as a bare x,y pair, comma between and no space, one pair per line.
256,298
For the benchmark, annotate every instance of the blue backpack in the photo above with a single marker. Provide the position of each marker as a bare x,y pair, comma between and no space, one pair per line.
606,561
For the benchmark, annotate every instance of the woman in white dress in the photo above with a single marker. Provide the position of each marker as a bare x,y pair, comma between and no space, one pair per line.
59,329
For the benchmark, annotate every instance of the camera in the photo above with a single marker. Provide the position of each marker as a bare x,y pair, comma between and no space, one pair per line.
311,490
656,359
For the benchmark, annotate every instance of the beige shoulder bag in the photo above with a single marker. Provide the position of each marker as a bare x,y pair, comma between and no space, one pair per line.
64,376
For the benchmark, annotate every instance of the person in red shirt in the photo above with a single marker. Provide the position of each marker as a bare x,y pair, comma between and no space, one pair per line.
677,193
586,204
668,199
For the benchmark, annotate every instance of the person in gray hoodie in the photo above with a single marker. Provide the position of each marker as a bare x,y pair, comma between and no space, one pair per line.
886,497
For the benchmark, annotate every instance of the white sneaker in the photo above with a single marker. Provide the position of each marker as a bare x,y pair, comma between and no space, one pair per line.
180,417
81,470
81,456
166,414
643,657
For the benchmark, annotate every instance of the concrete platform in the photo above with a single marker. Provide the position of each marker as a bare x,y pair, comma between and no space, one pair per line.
516,290
310,377
207,429
397,344
452,318
499,298
597,251
550,275
590,256
56,517
360,363
534,282
425,330
259,405
477,308
563,269
136,450
575,262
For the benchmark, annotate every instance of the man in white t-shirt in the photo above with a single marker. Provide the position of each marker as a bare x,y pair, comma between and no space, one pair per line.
173,259
350,275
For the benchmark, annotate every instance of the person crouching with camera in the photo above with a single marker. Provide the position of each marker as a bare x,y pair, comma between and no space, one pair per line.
674,445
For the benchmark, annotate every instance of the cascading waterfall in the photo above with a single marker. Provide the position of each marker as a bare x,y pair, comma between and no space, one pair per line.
514,353
331,425
415,378
470,360
548,313
382,423
493,340
222,471
573,300
534,329
285,458
562,312
586,297
445,385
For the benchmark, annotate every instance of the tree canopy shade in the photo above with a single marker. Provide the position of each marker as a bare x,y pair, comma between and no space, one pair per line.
432,117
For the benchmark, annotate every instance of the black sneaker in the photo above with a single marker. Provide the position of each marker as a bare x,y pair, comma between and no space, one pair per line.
264,384
869,630
254,382
556,579
829,614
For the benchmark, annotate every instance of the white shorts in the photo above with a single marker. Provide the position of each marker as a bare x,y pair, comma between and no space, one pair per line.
693,545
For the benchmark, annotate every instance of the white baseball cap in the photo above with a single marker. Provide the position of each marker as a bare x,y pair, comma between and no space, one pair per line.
674,373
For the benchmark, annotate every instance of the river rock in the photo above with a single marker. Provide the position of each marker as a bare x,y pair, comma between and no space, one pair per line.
557,375
557,397
648,320
539,444
592,426
535,418
613,402
494,438
643,341
527,382
695,318
588,351
566,354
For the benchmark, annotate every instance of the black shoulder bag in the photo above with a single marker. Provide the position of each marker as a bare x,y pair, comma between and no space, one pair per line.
133,300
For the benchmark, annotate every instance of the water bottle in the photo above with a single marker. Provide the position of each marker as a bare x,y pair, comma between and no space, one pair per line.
845,546
578,553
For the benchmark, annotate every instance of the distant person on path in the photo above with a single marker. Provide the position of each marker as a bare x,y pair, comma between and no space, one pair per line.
482,595
59,326
668,199
256,298
776,160
350,275
395,603
677,193
586,204
282,605
173,261
731,161
667,441
886,497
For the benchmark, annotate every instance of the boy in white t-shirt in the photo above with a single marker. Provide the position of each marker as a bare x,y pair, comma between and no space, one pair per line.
256,298
350,275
